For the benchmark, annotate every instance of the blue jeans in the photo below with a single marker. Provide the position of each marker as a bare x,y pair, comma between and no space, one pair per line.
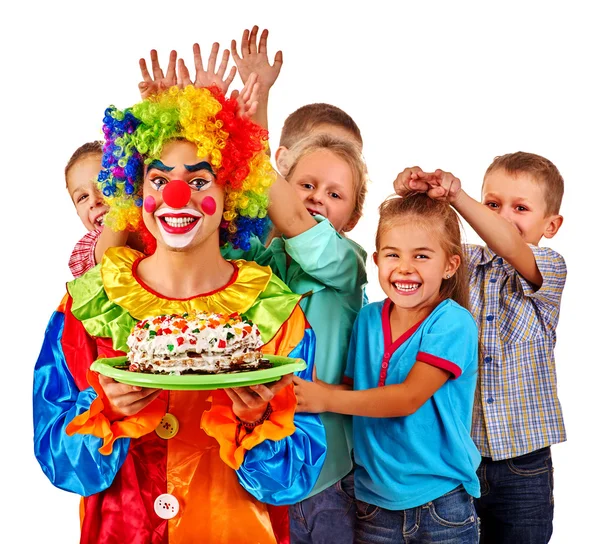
451,519
326,517
517,503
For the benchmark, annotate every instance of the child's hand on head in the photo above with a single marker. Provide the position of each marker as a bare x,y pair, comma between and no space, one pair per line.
444,186
412,180
310,395
157,82
210,76
254,59
247,98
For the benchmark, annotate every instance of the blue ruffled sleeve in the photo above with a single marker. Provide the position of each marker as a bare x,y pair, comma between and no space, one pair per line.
285,471
72,463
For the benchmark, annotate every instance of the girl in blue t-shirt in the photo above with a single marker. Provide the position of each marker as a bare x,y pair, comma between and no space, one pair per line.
412,365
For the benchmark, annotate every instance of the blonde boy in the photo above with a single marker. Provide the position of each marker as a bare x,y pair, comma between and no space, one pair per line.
515,291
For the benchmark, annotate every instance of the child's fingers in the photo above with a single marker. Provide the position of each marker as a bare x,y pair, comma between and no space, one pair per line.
144,69
223,65
262,44
212,60
234,53
230,77
171,66
156,69
183,75
278,61
252,42
245,48
198,59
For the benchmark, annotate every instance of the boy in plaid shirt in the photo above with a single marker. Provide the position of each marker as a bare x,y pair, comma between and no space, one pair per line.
515,292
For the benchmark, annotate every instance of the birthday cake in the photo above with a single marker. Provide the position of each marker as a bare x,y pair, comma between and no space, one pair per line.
195,343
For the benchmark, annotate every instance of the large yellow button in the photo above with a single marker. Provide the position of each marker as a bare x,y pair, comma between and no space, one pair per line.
168,427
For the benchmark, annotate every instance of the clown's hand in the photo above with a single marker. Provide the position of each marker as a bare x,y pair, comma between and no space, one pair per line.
157,82
247,98
210,76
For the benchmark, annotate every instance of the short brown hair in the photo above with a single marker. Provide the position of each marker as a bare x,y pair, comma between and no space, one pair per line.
439,216
345,150
542,170
89,148
299,123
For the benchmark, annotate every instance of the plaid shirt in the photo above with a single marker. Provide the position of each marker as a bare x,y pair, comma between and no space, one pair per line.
516,408
83,257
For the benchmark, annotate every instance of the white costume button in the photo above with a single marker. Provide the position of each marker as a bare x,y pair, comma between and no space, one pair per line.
168,427
166,506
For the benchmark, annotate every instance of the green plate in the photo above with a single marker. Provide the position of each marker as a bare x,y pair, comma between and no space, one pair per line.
281,366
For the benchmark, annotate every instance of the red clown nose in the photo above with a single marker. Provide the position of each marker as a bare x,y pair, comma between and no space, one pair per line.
177,193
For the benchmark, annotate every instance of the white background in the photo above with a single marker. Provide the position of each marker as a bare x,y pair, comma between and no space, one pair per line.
435,84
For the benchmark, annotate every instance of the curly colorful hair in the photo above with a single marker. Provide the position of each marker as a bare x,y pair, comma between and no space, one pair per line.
234,147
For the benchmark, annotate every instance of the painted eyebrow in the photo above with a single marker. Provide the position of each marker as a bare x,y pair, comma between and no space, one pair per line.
160,166
203,165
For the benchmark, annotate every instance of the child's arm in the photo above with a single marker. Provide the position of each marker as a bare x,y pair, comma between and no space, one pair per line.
501,237
286,210
253,59
389,401
109,238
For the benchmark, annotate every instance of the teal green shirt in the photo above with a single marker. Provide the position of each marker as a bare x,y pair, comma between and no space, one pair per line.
331,270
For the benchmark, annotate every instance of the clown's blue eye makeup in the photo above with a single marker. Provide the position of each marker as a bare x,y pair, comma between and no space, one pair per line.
158,182
200,184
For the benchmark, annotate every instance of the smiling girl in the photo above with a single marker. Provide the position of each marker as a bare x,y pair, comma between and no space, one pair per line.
412,362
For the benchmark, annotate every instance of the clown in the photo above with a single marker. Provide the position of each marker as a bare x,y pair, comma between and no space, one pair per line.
177,466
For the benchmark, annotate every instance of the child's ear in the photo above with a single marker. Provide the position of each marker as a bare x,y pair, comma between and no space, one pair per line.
280,154
375,258
452,266
352,223
552,226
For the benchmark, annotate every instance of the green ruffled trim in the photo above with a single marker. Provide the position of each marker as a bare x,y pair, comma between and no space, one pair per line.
100,317
273,307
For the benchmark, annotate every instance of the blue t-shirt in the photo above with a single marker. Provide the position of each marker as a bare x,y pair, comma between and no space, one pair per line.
404,462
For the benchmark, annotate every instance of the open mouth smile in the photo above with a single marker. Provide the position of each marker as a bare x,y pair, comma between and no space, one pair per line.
99,221
178,223
406,287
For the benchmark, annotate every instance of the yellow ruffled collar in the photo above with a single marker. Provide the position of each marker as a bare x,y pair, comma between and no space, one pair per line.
128,291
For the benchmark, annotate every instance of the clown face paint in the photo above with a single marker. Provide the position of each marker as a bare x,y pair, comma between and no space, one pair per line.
208,205
188,201
178,226
149,204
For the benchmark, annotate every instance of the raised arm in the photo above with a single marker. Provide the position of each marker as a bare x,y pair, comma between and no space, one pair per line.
286,210
253,58
500,235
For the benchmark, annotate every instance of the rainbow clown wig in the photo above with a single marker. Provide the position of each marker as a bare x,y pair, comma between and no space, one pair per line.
234,147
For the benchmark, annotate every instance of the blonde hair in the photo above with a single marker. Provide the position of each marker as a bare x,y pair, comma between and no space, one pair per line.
343,149
438,216
86,150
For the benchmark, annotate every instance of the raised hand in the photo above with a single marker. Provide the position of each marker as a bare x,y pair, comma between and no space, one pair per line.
250,403
254,59
247,98
157,82
210,76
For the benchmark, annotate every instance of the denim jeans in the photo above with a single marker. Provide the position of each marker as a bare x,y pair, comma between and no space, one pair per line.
327,517
451,519
517,503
